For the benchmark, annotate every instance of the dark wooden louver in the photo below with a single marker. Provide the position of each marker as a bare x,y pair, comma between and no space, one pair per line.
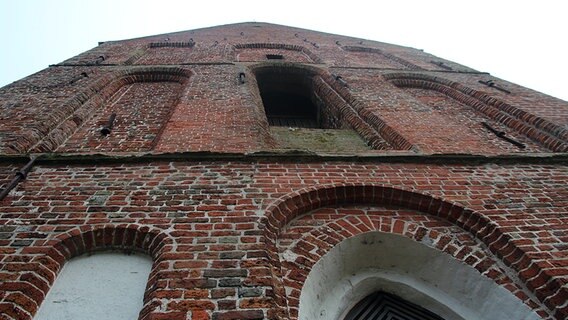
384,306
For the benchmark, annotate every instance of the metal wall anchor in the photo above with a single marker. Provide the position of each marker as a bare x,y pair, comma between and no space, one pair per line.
110,124
501,134
20,175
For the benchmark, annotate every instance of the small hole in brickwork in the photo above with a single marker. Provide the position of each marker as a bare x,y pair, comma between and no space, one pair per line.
274,57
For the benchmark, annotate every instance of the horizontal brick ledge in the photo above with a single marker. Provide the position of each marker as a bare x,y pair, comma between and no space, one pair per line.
285,156
120,66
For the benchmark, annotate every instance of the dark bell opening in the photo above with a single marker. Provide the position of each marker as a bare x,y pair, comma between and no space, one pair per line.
287,96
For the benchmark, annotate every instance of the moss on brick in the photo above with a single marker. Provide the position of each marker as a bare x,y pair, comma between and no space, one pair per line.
320,140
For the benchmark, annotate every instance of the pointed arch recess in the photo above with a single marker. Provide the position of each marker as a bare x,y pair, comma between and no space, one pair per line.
64,121
545,287
49,258
368,125
538,129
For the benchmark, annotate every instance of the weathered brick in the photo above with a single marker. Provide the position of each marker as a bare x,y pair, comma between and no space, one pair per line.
250,292
220,273
240,315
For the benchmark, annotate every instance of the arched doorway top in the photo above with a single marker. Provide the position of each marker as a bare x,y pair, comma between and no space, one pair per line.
395,264
288,207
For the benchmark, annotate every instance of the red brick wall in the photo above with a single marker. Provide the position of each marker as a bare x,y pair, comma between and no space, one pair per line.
34,106
215,218
139,119
215,257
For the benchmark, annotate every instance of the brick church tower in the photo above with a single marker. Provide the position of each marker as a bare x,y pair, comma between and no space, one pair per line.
257,171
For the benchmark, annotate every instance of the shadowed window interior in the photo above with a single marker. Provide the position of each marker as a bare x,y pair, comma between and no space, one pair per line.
288,98
301,115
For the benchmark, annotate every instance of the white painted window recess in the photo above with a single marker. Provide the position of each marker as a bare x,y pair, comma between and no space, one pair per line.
102,286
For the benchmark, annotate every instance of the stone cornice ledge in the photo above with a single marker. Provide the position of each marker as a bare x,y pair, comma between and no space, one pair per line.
289,156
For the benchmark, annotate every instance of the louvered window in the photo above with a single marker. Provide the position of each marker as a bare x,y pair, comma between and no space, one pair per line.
274,57
384,306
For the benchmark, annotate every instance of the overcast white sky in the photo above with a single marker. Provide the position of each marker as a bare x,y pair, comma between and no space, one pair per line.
520,41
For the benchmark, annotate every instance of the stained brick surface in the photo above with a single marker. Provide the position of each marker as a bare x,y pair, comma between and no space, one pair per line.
188,174
441,124
319,140
167,55
139,119
33,106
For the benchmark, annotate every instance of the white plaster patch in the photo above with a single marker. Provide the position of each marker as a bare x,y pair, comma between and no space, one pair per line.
104,286
288,255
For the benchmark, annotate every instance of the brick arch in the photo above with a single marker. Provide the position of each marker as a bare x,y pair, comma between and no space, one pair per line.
543,285
282,211
310,248
108,237
279,46
23,297
342,104
64,121
542,131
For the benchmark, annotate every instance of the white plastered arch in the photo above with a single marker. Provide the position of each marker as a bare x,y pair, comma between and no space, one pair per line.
375,261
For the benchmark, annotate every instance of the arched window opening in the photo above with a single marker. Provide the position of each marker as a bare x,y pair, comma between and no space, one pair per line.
305,113
288,98
107,285
381,305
